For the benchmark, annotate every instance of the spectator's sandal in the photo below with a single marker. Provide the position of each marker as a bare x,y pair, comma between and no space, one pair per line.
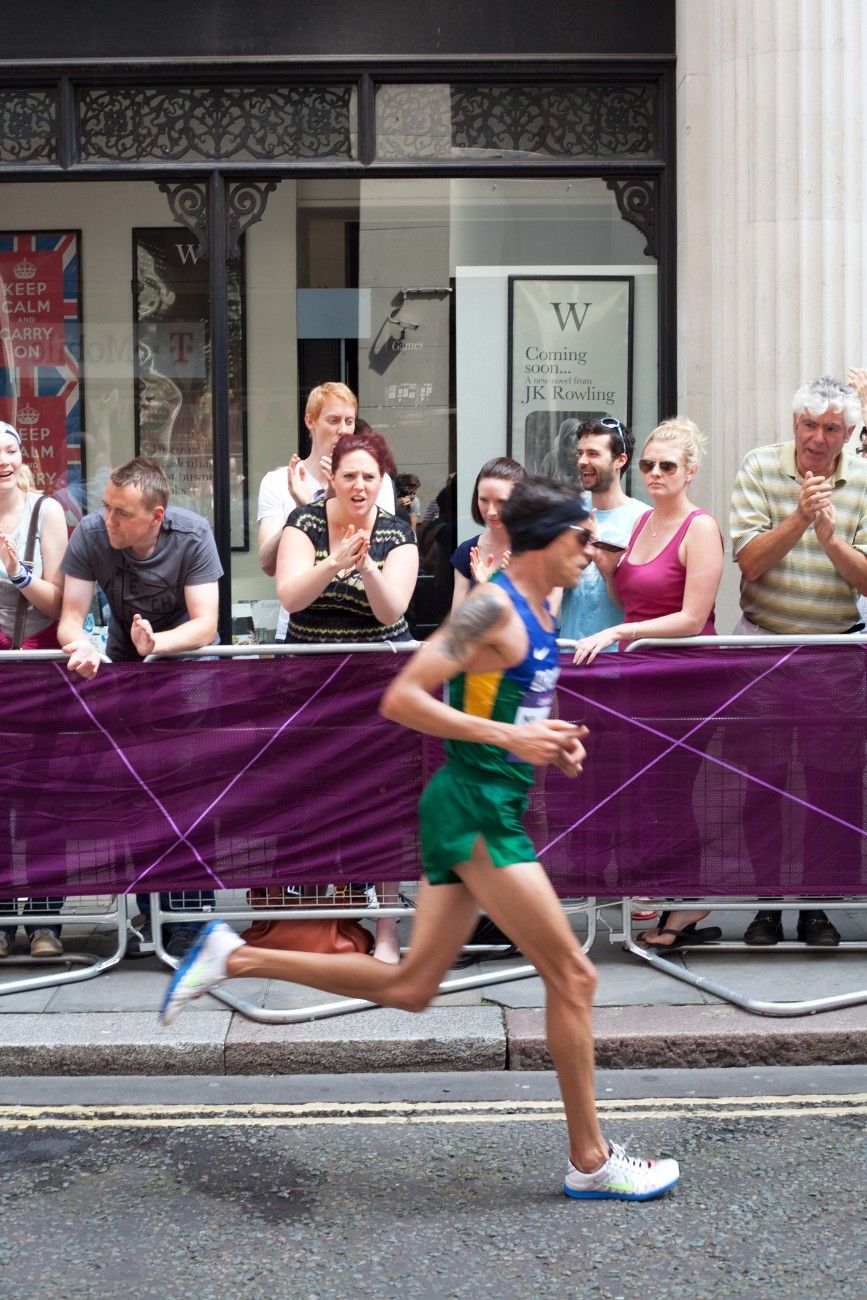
688,937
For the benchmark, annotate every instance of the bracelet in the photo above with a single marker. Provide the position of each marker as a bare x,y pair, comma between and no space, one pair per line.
22,578
634,631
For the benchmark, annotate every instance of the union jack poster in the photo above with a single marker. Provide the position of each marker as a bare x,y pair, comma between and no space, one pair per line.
40,357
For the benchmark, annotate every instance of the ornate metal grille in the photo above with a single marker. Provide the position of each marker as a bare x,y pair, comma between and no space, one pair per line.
204,123
424,121
28,126
638,201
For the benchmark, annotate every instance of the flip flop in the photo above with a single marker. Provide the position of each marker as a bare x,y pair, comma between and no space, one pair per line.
685,938
709,933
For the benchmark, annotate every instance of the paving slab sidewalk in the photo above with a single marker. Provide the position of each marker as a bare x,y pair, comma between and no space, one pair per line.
643,1018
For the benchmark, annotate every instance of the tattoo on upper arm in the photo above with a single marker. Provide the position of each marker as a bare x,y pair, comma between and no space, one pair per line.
470,621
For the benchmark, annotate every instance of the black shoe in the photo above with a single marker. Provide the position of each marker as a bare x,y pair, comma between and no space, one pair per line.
487,933
764,930
816,931
179,942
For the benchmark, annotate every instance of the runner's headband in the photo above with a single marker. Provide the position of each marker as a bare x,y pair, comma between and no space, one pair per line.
537,533
8,429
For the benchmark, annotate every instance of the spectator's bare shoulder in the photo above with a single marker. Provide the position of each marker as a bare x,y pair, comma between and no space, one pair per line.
703,529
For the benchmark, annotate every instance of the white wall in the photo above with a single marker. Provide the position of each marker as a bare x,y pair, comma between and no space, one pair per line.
772,224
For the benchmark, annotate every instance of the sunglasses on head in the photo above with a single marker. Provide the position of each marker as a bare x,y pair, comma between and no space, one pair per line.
665,466
585,535
608,422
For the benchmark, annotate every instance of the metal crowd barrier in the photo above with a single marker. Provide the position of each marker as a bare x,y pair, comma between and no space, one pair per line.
111,912
102,911
323,904
243,914
737,997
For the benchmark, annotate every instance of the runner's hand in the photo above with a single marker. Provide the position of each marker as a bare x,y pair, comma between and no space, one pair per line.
571,760
551,741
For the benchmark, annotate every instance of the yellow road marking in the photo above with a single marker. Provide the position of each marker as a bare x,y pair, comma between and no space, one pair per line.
416,1107
312,1114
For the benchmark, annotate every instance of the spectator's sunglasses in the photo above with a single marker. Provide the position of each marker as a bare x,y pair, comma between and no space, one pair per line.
665,466
608,422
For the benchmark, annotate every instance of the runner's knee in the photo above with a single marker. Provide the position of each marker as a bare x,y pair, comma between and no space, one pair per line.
413,994
571,977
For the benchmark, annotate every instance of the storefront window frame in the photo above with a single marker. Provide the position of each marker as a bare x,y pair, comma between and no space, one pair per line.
235,192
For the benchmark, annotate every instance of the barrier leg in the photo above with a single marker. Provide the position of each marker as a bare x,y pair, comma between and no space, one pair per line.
345,1006
86,965
757,1006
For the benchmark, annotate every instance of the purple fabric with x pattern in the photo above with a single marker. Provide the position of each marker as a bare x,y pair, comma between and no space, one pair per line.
708,772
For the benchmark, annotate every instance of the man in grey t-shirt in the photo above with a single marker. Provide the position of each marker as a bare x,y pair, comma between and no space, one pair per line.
158,567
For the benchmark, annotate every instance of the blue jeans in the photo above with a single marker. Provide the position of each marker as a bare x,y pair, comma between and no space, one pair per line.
190,900
50,906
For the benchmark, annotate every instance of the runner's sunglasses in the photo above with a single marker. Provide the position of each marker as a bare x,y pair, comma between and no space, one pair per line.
585,535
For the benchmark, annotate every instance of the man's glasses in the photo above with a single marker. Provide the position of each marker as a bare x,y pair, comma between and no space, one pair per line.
608,422
586,536
665,466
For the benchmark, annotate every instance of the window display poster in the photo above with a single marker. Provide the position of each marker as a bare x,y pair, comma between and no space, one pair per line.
570,359
173,373
40,357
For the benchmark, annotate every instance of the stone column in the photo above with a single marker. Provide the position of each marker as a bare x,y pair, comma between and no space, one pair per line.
772,282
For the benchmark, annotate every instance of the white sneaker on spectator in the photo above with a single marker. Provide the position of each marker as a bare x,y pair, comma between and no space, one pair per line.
45,944
203,968
622,1178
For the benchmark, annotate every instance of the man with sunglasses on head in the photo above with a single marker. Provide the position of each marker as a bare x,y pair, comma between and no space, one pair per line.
605,448
799,537
498,653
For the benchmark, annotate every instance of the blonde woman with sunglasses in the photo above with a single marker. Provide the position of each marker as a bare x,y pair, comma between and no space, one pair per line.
668,577
666,583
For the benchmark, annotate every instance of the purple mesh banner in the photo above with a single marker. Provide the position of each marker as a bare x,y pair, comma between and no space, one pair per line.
710,772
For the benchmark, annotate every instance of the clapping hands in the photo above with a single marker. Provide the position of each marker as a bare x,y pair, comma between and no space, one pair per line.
484,567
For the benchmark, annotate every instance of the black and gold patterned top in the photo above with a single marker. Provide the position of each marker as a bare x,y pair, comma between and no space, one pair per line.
342,611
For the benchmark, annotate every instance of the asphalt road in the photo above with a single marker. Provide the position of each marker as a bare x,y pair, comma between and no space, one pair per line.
428,1186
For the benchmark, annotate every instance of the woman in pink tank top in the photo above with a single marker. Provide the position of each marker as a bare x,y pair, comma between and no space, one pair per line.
666,582
667,579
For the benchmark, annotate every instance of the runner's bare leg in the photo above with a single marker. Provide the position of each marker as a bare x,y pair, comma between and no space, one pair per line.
521,900
443,921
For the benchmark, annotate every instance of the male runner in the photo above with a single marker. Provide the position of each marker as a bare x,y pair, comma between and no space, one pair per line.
498,652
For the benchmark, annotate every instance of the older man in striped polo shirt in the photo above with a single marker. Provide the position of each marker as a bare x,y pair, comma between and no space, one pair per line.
799,536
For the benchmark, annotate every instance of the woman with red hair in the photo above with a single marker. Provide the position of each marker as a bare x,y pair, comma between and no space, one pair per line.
346,571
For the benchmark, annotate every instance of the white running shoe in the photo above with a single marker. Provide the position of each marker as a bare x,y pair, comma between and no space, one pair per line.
622,1178
203,968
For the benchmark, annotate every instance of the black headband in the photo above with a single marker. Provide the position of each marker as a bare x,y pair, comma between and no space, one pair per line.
536,533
